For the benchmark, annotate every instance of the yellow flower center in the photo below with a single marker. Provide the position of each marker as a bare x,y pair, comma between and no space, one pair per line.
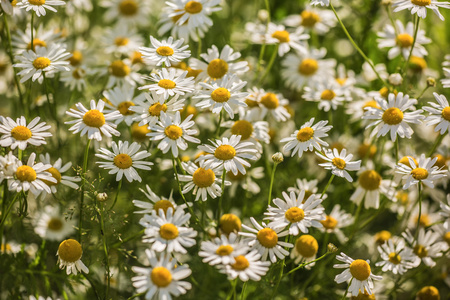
70,251
382,236
267,237
447,237
419,173
225,152
78,73
119,69
243,128
76,58
26,173
404,40
308,67
307,194
421,2
306,245
251,103
173,132
241,263
41,63
404,160
230,223
14,2
220,95
128,7
395,258
139,132
55,174
341,81
294,214
123,161
446,113
364,296
55,224
370,180
392,116
123,108
420,251
440,162
424,220
36,42
121,41
370,103
203,178
36,2
329,222
270,101
305,134
217,68
417,63
168,231
21,133
136,58
309,18
360,269
402,197
428,293
94,118
161,277
164,205
224,250
167,84
164,51
156,108
338,163
193,7
328,95
367,150
281,35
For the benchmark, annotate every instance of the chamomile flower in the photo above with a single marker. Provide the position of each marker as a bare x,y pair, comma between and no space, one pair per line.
42,37
446,80
69,257
358,271
445,212
337,219
392,116
247,267
169,82
57,169
173,133
40,6
194,13
75,79
329,93
121,40
121,72
122,99
312,19
274,104
309,186
396,258
339,163
124,160
93,122
156,202
305,250
424,171
320,2
17,134
8,163
51,225
246,182
277,34
222,250
370,185
426,247
184,31
249,127
165,52
420,7
228,153
308,137
439,114
127,12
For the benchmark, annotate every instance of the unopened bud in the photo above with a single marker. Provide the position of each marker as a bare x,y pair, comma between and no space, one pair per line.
386,2
102,197
431,82
263,15
332,248
278,158
395,79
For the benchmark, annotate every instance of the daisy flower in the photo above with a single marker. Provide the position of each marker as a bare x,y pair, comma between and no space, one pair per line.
75,79
126,12
320,2
184,31
265,240
173,133
93,121
124,160
165,232
56,171
329,93
446,81
445,212
165,52
420,7
45,60
337,219
228,153
246,182
313,19
247,267
40,6
8,163
222,250
19,134
224,94
42,37
121,40
202,180
439,114
229,223
426,247
162,279
277,34
307,138
309,186
274,104
169,82
339,163
396,258
51,225
358,272
156,202
305,250
194,13
69,257
370,185
249,127
295,213
121,72
424,171
392,116
121,99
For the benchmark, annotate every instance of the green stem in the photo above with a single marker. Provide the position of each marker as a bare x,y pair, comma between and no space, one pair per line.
5,216
92,285
423,92
233,289
83,182
32,28
117,194
305,264
326,187
416,234
269,66
219,208
20,154
199,47
244,287
105,250
279,280
436,144
132,237
218,125
396,148
271,183
346,291
416,30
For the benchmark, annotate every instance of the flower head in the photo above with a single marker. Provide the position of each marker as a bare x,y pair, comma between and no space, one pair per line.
19,134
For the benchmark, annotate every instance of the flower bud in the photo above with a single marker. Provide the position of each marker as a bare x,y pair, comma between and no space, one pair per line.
395,79
102,197
278,158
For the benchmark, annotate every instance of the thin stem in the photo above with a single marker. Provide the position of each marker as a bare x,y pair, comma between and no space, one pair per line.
423,92
396,148
279,280
305,264
420,211
233,289
346,291
269,66
416,29
105,250
5,216
218,125
244,287
263,47
271,183
117,194
219,208
132,237
83,182
436,144
92,285
32,29
199,47
326,187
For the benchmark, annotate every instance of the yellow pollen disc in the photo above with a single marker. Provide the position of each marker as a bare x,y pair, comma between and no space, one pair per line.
417,63
404,40
404,160
428,293
419,173
238,177
281,35
447,237
440,162
167,84
370,103
309,18
337,145
420,251
225,152
55,224
241,263
267,237
306,245
224,250
123,161
128,7
384,92
55,174
370,180
341,81
136,58
162,204
26,173
168,231
173,132
203,178
421,2
308,67
121,41
305,134
41,63
94,118
230,223
424,220
402,197
270,101
14,2
76,58
243,128
139,132
36,2
329,222
360,269
36,42
123,108
161,277
78,73
119,69
392,116
382,236
177,17
446,113
221,95
21,133
327,95
193,7
338,163
294,214
70,251
217,68
367,150
251,103
156,108
164,51
395,258
364,296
